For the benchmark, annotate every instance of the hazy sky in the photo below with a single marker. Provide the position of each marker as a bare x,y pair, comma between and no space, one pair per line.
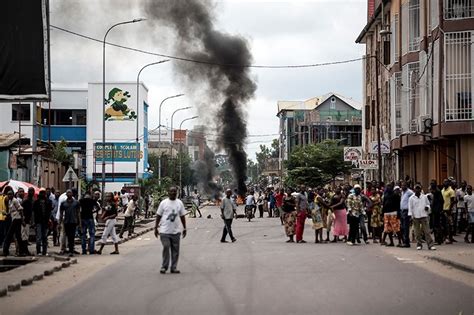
279,33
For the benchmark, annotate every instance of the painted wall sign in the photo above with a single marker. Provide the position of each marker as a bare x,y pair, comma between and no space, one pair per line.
116,107
117,152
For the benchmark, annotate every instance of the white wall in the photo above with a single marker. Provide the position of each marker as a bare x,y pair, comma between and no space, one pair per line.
7,125
116,131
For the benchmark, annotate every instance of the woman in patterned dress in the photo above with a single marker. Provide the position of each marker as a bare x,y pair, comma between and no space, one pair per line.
318,218
376,222
289,217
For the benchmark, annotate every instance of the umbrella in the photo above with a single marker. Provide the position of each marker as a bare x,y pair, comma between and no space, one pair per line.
15,184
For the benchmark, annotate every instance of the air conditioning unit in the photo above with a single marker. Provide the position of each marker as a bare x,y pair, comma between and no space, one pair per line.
425,124
414,126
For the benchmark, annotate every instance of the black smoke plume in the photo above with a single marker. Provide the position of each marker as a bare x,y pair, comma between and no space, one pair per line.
204,170
226,87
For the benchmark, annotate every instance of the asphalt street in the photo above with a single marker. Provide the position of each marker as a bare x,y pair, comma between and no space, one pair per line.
261,274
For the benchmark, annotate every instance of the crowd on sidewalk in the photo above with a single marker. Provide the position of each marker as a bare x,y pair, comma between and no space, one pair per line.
66,218
403,211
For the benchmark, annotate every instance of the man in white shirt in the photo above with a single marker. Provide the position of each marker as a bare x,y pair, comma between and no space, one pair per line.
418,207
227,210
170,229
469,200
124,199
129,215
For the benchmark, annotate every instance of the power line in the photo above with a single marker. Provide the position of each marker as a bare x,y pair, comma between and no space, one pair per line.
314,65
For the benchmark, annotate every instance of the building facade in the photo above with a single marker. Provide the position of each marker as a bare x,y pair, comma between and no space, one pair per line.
331,116
418,87
121,117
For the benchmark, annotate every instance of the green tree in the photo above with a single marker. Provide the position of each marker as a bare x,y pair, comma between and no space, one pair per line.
59,153
316,164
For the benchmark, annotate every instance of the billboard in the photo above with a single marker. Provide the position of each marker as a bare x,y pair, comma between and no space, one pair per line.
179,136
24,43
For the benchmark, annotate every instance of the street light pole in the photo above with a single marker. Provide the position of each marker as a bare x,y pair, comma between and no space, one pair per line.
180,154
159,134
137,157
103,98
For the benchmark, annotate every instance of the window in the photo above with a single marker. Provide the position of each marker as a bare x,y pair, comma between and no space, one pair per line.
79,117
21,112
414,93
394,41
458,82
414,25
333,103
458,9
63,117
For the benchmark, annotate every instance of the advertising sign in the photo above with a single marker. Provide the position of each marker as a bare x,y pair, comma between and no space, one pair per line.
368,164
384,147
179,136
352,154
117,152
24,57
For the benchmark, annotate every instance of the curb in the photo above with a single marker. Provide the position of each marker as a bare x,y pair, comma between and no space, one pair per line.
29,281
451,263
65,263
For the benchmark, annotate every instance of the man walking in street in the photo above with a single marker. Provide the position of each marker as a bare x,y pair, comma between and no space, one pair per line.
228,208
129,216
42,208
169,229
301,213
418,207
70,216
196,202
405,219
88,225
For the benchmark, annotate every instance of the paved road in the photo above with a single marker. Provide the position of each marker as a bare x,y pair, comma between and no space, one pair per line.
261,274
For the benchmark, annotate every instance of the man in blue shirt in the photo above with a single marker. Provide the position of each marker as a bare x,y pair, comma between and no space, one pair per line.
405,219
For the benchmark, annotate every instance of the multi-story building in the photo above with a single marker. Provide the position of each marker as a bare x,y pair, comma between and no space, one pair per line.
331,116
418,87
41,124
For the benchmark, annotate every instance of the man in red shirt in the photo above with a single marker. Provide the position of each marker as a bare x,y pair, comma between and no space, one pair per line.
279,202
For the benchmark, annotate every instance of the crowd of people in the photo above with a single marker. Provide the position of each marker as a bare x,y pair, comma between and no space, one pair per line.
65,217
400,211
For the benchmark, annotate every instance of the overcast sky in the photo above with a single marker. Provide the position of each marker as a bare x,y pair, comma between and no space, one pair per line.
279,32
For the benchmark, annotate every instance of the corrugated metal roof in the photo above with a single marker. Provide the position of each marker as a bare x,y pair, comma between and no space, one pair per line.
7,139
314,102
294,105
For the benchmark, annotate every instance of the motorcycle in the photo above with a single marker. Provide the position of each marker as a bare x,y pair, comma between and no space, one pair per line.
249,210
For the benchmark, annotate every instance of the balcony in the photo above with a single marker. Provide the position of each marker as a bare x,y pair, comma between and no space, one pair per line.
339,116
459,114
458,9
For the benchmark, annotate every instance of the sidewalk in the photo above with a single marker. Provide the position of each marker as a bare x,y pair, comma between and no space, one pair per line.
458,255
37,267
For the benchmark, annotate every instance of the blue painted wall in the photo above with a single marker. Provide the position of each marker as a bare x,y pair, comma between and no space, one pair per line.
69,133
